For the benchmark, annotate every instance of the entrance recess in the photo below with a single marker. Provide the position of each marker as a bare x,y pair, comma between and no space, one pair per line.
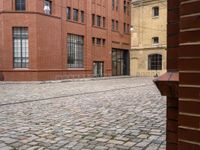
120,62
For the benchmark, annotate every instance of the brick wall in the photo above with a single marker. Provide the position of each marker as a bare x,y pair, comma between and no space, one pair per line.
48,38
189,71
181,84
172,66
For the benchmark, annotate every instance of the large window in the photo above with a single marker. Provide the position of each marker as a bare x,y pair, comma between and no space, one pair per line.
20,5
20,47
155,62
75,51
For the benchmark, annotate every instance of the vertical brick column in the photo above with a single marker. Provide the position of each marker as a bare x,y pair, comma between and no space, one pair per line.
181,84
189,71
172,66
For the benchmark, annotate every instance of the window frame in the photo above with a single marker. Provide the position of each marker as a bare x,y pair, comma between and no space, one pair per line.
68,13
93,19
75,15
98,23
50,6
155,13
75,45
20,50
117,25
82,16
155,62
155,38
20,3
104,22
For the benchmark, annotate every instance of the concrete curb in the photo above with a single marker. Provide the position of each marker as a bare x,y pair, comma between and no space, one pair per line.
62,81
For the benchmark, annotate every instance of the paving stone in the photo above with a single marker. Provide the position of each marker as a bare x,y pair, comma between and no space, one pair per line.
102,140
2,145
143,136
129,144
8,140
6,148
117,113
101,148
143,144
115,142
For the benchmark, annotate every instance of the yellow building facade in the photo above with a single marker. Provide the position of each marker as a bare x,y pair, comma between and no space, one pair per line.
148,38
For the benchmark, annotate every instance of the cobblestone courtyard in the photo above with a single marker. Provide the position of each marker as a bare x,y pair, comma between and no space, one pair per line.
124,113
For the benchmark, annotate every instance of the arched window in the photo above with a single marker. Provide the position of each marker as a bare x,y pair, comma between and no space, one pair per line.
155,62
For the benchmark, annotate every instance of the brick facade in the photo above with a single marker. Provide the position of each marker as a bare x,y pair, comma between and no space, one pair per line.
181,84
48,38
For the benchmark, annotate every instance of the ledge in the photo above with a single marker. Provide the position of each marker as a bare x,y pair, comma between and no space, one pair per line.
168,84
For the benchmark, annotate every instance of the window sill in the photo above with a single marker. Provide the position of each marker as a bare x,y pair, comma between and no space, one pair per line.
20,69
99,27
75,22
115,31
98,45
78,69
155,17
126,33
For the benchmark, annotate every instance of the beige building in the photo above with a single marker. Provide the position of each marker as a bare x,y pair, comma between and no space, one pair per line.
148,45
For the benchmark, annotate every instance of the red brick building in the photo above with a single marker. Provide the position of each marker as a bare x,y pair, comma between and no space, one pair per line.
55,39
181,84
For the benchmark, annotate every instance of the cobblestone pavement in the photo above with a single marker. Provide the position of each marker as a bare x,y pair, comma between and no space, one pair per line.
114,114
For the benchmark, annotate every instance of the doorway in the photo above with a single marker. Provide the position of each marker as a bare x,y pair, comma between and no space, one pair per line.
120,62
98,68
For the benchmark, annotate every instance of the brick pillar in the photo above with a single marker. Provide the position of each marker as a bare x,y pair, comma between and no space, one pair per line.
181,84
189,71
172,66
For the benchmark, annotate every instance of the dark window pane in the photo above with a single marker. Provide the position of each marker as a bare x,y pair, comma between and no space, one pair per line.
155,11
75,18
99,21
20,5
93,19
113,25
98,41
82,16
68,11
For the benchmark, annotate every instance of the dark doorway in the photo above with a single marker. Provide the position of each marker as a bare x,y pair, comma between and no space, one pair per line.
98,68
120,62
